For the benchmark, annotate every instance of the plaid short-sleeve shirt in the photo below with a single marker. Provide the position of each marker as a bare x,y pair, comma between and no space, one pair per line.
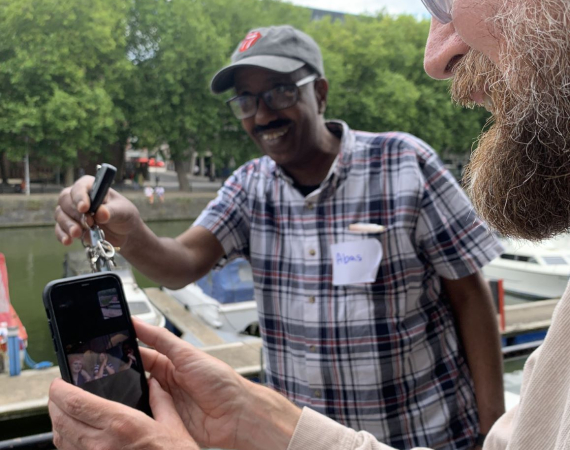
384,356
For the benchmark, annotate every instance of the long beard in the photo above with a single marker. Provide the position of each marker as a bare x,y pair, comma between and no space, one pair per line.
519,175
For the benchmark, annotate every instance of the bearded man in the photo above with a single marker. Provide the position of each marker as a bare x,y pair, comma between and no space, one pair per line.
516,63
511,56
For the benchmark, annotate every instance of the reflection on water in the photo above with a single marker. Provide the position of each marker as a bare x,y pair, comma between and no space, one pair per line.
512,377
34,257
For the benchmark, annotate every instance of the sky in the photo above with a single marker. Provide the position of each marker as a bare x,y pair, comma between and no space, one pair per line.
414,7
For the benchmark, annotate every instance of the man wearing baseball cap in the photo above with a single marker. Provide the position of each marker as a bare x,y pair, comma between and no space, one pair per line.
365,252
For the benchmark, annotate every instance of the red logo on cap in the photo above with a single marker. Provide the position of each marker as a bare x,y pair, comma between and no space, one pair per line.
249,41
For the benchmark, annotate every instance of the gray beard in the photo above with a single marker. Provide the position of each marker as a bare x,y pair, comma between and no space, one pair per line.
519,175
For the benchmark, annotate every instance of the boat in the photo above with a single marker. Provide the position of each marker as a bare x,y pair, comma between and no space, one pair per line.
224,299
9,319
533,270
76,263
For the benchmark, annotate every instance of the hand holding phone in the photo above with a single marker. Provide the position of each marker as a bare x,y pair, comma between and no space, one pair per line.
94,338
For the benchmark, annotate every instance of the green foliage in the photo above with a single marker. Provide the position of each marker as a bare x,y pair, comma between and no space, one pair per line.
58,75
375,69
178,51
83,75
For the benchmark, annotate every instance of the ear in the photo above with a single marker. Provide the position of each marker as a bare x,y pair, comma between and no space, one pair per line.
321,93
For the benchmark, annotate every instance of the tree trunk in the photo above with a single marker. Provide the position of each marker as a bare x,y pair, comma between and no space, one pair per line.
69,176
3,168
118,159
184,185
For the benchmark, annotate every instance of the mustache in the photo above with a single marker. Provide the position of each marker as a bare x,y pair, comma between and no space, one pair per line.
276,124
475,72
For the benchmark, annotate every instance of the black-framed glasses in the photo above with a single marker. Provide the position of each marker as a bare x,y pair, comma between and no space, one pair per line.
280,97
440,9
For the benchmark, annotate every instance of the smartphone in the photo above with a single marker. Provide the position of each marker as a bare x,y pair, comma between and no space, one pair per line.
94,338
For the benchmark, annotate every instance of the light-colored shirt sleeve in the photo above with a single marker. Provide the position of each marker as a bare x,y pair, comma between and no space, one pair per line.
317,432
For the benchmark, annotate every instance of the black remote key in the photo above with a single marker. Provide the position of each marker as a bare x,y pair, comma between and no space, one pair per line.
103,180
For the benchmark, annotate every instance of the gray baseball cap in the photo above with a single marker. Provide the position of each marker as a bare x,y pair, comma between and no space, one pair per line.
282,49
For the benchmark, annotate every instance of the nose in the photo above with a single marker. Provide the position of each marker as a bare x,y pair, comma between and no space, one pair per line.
444,49
264,114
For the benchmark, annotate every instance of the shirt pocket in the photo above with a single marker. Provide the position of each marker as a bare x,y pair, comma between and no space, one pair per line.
386,296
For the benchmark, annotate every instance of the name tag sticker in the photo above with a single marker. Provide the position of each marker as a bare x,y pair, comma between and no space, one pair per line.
356,262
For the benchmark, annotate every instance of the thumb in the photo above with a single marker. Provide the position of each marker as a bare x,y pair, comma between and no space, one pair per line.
116,209
163,408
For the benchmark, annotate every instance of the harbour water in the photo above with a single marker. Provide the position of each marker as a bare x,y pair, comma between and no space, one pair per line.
34,257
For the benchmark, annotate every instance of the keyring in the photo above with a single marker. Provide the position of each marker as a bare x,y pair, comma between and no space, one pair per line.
84,222
106,249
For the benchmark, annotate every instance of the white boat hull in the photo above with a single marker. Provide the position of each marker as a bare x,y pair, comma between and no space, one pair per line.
230,317
531,281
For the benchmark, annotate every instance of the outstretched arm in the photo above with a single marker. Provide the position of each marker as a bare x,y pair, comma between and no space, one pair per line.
171,262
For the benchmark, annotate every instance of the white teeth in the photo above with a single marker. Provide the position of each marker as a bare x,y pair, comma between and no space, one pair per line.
269,136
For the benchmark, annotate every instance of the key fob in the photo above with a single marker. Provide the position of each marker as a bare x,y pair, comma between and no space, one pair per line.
103,180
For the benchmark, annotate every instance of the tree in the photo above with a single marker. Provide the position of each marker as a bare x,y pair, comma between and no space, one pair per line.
375,69
58,61
177,50
79,79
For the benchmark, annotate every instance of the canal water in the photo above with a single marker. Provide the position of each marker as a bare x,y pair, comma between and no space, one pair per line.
34,257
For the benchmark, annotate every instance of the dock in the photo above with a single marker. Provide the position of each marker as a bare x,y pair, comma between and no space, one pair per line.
528,317
27,394
241,352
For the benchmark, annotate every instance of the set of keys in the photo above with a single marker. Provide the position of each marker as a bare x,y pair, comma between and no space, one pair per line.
99,251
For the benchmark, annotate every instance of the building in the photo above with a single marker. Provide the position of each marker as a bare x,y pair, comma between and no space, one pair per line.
318,14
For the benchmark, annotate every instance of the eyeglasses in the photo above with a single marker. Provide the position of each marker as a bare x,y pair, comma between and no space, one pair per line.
280,97
440,9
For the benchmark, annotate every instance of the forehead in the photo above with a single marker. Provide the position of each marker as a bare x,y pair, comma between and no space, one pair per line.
256,78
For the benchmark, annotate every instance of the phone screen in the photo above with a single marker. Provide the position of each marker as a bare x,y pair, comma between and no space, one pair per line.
97,341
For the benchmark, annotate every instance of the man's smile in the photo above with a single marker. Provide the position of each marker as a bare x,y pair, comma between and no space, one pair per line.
273,136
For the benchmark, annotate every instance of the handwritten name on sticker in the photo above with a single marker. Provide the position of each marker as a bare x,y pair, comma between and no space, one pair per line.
356,262
342,258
